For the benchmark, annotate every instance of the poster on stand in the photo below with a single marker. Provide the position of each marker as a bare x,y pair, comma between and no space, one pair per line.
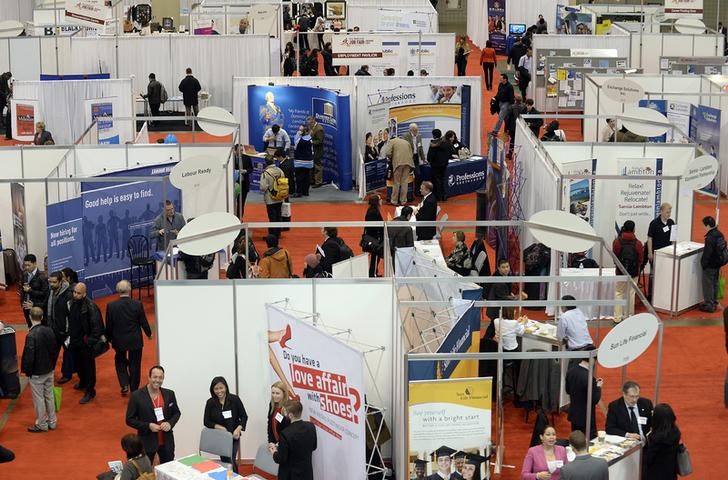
90,13
65,236
678,113
580,193
705,131
421,56
24,114
453,412
327,377
638,200
20,229
289,107
392,19
571,21
683,8
101,110
429,106
497,25
375,172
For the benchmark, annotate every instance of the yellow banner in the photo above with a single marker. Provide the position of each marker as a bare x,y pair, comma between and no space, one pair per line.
469,392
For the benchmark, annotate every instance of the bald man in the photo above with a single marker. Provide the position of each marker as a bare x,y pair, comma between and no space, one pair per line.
125,320
85,330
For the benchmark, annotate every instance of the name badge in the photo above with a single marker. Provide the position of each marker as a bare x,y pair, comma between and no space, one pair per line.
279,417
666,228
559,463
227,414
159,413
642,420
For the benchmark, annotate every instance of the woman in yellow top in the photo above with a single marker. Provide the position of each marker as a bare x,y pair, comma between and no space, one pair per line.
488,60
462,50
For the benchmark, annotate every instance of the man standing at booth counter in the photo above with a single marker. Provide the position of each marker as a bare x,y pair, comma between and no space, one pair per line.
658,236
166,227
190,88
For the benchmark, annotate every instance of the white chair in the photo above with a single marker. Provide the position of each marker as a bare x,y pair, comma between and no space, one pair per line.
264,463
217,442
478,263
441,229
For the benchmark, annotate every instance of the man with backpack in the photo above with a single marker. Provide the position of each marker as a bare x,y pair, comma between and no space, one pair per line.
334,249
274,185
629,251
714,256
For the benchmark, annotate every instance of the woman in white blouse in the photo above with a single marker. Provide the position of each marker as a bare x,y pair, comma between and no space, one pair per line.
507,330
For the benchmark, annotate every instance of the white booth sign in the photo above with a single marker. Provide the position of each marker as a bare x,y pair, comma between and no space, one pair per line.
682,8
561,241
357,49
700,172
694,26
645,121
91,13
623,90
221,122
628,340
193,172
208,223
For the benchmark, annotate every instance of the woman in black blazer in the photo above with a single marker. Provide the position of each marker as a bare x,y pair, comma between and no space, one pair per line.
377,233
659,461
225,411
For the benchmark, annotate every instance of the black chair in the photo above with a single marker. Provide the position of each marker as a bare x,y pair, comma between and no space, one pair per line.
138,249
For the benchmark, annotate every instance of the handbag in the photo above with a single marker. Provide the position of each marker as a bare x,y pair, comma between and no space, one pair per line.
494,107
684,465
100,347
369,244
286,210
57,395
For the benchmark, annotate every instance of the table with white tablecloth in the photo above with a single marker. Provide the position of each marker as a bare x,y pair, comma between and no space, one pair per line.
590,290
193,467
623,456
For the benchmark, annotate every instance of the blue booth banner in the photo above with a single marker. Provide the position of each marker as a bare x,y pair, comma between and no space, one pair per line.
375,173
289,106
102,110
107,215
497,25
463,176
705,131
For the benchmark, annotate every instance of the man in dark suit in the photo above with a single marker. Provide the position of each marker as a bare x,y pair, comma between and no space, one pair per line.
400,237
577,386
34,288
331,248
584,466
190,88
295,445
631,415
427,212
85,329
125,318
154,412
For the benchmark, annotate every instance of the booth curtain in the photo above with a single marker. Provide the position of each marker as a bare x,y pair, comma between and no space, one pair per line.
477,27
62,108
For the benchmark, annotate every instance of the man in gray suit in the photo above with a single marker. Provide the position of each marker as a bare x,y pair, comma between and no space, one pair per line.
414,138
166,226
584,466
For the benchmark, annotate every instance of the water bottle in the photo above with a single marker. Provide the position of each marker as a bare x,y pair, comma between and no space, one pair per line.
230,474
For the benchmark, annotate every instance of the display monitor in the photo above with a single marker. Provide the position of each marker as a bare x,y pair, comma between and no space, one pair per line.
517,28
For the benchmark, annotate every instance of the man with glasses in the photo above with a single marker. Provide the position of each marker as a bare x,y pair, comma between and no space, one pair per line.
631,415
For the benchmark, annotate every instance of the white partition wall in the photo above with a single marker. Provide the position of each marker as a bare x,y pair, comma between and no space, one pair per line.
364,307
646,48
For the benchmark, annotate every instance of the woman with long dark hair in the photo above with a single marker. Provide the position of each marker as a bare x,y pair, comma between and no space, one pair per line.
659,461
373,235
225,411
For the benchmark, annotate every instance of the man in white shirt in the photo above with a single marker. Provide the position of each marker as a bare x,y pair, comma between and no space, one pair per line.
572,328
609,132
276,137
524,72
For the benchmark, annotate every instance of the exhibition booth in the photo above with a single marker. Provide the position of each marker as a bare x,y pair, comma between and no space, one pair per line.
373,104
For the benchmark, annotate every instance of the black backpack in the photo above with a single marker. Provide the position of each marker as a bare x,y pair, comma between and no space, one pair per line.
629,257
721,251
345,252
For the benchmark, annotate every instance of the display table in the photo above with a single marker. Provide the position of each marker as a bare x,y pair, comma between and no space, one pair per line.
463,176
687,275
179,266
192,467
623,457
431,249
582,290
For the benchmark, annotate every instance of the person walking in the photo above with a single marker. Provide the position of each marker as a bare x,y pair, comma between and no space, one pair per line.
125,320
38,360
153,96
190,88
711,261
630,253
85,328
505,97
488,59
296,445
269,180
154,412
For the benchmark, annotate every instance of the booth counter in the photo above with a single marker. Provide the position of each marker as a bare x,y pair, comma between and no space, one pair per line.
624,458
689,288
463,176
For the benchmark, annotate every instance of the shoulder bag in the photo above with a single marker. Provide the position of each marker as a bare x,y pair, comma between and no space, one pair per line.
684,465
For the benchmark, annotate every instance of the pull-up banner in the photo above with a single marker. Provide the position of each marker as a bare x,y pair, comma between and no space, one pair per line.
683,8
91,13
102,111
497,24
289,107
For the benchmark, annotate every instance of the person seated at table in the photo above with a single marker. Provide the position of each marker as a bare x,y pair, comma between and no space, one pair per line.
631,415
42,136
457,145
572,328
459,260
500,292
225,411
544,462
138,462
553,133
508,328
166,226
426,212
577,386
